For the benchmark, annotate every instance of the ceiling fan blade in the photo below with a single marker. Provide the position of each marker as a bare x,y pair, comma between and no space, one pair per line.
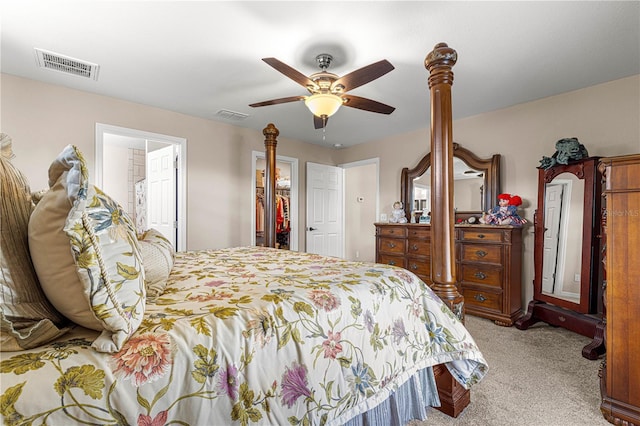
319,122
367,104
364,75
292,73
278,101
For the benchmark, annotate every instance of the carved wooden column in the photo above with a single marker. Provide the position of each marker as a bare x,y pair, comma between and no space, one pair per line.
439,63
270,133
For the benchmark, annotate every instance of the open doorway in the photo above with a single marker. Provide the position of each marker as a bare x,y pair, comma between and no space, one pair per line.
286,186
127,160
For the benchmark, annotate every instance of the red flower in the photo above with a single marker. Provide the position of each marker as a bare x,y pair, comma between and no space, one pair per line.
332,346
144,358
159,420
324,299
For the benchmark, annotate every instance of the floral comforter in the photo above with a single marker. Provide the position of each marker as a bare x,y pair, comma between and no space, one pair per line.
248,336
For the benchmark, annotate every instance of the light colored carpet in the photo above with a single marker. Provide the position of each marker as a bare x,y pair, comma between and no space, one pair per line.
536,377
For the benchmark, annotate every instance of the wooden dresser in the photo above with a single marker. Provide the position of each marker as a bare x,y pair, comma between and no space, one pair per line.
620,374
488,264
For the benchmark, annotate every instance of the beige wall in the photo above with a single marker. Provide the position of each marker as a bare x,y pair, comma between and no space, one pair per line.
605,118
43,118
360,212
116,177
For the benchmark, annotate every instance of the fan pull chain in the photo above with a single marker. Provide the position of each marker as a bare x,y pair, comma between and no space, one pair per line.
324,128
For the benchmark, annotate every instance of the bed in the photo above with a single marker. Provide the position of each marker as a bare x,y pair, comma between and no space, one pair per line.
123,330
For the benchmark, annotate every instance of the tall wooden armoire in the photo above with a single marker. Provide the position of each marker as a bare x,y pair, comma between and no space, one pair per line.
620,373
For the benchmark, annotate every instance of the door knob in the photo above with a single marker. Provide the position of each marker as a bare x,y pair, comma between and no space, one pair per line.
311,228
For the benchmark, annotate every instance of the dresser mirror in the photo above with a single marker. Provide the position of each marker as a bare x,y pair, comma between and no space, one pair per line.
476,184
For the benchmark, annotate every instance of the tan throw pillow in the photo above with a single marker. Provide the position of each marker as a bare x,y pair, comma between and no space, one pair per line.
27,319
86,253
157,258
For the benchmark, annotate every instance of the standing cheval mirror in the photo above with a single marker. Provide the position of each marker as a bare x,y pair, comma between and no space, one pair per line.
568,282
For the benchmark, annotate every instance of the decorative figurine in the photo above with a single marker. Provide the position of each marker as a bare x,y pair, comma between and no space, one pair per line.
425,217
568,149
397,214
505,213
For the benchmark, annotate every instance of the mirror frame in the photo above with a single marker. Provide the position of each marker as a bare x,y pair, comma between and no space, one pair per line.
584,170
489,166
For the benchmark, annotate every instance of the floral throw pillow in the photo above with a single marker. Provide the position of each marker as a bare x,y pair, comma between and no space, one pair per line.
85,251
157,258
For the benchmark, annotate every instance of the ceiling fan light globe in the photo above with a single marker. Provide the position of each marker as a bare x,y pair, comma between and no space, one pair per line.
323,104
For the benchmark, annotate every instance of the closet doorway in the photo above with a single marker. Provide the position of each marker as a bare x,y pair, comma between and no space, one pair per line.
146,174
287,200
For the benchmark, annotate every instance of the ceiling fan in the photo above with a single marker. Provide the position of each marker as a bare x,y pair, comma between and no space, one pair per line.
328,91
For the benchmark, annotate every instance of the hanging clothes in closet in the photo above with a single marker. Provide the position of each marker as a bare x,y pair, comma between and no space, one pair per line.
283,219
283,224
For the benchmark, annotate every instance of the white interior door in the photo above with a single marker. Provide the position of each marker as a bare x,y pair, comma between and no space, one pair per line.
108,135
552,220
325,210
161,195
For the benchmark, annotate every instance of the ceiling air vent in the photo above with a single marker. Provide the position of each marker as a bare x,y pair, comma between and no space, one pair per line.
231,115
57,62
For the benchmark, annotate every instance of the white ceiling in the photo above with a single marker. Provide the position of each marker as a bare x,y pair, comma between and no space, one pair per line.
201,57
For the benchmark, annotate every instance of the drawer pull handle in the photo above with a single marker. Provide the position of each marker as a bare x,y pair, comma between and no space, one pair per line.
414,266
392,262
481,253
414,247
392,245
391,231
480,275
480,298
481,236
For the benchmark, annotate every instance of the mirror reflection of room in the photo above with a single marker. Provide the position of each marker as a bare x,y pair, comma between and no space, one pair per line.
564,205
468,194
283,208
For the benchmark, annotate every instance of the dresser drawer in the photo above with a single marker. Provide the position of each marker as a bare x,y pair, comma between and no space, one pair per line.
391,245
481,274
424,233
418,248
489,235
482,299
419,266
389,259
485,253
392,231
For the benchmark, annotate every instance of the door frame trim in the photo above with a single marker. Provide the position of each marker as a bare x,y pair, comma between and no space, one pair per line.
181,145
